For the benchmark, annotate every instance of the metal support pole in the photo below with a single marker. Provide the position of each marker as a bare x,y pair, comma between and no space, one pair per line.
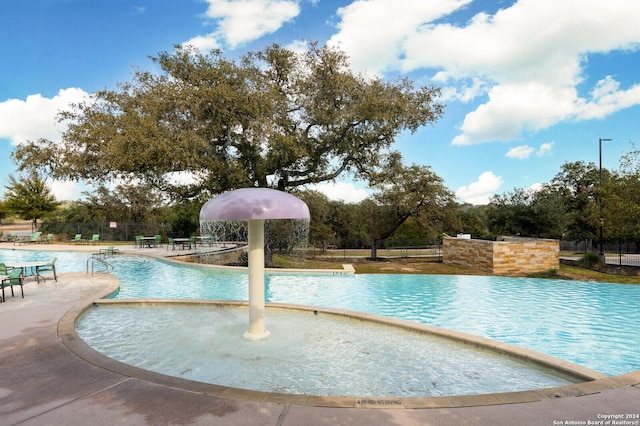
601,254
257,328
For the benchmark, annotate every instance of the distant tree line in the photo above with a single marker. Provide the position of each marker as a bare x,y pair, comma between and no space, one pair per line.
415,208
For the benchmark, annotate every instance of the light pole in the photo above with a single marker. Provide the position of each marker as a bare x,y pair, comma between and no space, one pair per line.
600,196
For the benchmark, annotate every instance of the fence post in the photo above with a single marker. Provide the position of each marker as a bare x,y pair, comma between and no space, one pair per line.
620,252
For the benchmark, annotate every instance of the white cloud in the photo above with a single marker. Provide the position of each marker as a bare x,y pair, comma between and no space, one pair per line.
536,187
607,98
544,149
478,192
242,21
520,152
66,190
203,43
464,91
515,108
374,32
527,58
342,191
35,117
525,151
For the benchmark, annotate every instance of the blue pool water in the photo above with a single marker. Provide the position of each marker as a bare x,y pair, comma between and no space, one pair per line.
593,324
305,353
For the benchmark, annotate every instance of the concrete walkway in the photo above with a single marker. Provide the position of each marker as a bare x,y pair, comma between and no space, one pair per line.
42,382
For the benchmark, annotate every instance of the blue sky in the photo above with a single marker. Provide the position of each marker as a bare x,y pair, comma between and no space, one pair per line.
528,84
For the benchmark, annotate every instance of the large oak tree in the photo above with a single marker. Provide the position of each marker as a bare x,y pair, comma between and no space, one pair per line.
273,118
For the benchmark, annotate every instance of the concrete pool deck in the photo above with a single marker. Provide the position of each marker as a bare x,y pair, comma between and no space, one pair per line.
43,382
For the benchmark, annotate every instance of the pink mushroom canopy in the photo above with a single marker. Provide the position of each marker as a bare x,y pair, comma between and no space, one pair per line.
254,203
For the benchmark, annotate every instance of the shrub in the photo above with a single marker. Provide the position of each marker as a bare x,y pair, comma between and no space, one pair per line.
590,260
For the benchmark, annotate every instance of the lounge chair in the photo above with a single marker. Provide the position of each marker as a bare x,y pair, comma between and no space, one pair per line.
95,239
15,278
33,238
49,267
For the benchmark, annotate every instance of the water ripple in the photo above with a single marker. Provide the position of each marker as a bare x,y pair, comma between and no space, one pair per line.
593,324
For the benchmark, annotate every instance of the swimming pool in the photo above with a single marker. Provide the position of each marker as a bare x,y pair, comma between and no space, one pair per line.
308,352
593,324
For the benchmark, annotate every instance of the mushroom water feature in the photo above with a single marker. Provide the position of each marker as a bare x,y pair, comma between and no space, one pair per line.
255,205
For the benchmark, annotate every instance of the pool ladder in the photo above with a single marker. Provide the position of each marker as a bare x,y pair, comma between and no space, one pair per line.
93,259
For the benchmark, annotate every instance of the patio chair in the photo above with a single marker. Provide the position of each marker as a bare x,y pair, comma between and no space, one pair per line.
48,239
109,251
189,242
95,239
49,267
170,243
4,271
138,242
77,239
15,278
157,240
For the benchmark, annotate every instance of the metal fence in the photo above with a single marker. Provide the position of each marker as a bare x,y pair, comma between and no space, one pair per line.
388,248
108,231
619,251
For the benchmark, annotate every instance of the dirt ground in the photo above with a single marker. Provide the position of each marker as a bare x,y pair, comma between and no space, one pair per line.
18,226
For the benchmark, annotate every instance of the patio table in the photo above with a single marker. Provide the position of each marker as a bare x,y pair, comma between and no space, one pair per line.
149,242
182,242
29,268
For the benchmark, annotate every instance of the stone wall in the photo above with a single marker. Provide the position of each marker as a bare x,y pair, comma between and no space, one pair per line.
508,257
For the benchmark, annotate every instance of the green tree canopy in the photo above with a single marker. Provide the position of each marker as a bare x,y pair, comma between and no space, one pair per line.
472,220
405,192
274,118
125,203
30,198
578,184
528,213
621,198
4,210
320,210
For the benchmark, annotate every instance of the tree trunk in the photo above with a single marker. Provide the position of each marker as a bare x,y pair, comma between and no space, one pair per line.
374,250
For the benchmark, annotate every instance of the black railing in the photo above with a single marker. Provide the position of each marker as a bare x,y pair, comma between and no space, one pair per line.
617,251
108,231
